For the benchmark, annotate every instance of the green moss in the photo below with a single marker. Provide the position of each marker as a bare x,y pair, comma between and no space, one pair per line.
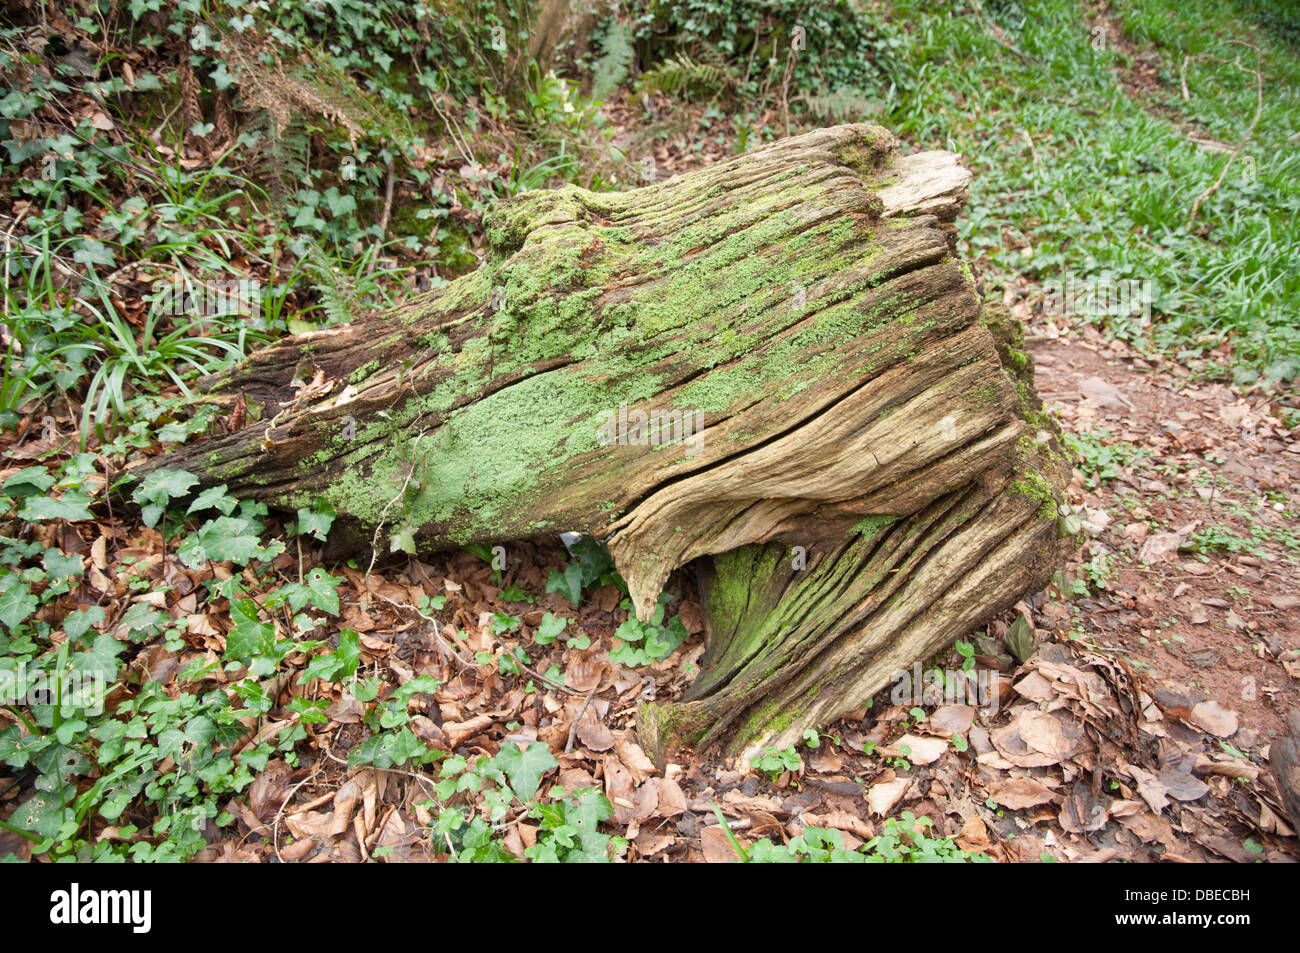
872,526
769,719
722,288
1033,484
364,371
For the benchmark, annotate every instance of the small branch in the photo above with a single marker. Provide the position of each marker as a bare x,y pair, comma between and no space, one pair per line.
374,541
573,728
1250,131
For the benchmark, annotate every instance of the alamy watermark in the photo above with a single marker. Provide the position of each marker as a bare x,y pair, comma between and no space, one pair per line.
80,689
74,906
1095,296
946,687
208,299
653,428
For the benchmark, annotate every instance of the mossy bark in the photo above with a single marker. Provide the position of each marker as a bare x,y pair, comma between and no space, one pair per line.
803,306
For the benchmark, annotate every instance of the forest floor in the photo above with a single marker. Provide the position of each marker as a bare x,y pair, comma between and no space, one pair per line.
1138,729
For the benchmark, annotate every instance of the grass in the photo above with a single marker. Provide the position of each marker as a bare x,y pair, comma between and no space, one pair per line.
1077,175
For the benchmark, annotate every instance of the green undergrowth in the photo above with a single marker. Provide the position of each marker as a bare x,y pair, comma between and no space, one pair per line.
902,840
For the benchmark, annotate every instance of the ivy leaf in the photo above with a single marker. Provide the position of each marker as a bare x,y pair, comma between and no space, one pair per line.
387,750
72,507
101,658
322,585
78,622
31,481
142,618
590,807
221,76
16,601
248,638
91,252
349,652
226,537
214,497
158,489
402,540
43,813
525,766
337,665
61,566
569,583
550,629
317,520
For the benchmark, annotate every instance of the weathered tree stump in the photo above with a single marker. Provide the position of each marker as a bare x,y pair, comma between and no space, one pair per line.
846,441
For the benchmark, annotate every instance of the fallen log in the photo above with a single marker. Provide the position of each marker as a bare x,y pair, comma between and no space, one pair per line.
775,367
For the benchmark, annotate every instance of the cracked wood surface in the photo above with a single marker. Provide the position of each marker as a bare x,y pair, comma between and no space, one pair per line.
803,302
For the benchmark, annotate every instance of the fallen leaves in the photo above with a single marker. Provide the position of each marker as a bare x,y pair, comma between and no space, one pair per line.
1020,793
1214,718
882,798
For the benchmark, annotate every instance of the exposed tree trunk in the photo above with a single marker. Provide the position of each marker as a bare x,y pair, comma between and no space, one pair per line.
802,304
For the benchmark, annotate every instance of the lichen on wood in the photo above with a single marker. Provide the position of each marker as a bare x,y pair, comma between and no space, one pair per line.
797,320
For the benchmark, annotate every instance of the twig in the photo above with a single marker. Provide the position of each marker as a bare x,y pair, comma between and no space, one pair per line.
275,825
1250,130
374,541
573,728
457,137
387,213
437,630
549,681
410,774
785,86
384,217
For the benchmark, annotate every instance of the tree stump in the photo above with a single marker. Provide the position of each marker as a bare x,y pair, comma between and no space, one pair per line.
776,367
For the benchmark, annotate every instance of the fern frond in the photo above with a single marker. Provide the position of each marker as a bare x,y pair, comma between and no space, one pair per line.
843,105
685,75
332,285
612,67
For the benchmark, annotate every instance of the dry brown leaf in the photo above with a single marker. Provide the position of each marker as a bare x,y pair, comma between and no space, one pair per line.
575,779
620,789
974,836
584,674
950,720
918,750
840,821
672,801
1183,786
346,800
1232,768
825,762
1020,793
1212,717
648,844
750,803
1150,789
717,846
267,793
459,732
595,736
1083,812
633,755
1014,751
883,797
1050,734
647,800
1157,546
